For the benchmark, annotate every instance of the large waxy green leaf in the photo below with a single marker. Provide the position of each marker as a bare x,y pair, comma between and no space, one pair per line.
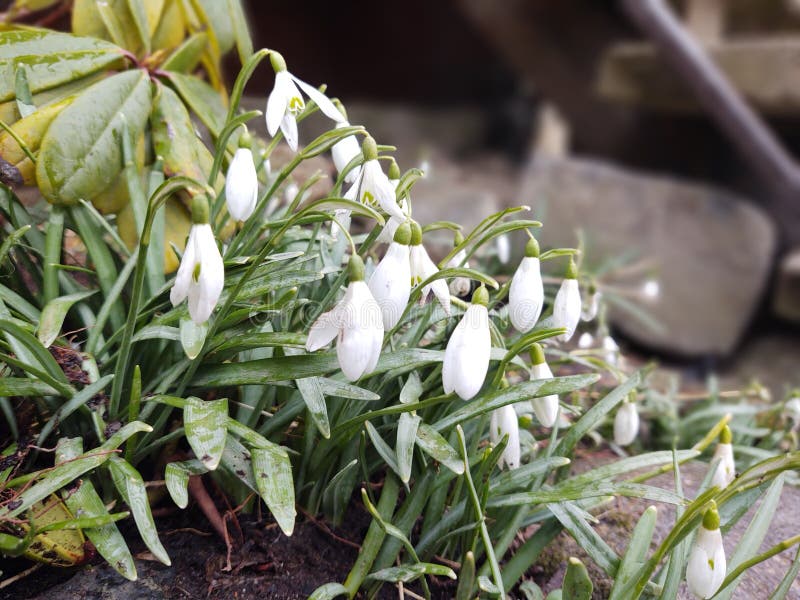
83,500
51,59
110,20
80,152
273,475
206,429
174,137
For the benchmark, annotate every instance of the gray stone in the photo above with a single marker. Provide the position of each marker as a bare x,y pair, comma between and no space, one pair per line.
712,250
786,301
770,359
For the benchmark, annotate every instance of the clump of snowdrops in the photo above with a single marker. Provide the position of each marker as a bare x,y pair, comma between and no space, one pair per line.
172,308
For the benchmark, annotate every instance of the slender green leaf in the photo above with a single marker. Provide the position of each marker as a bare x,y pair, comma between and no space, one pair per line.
206,425
408,573
273,476
177,476
406,436
434,444
53,315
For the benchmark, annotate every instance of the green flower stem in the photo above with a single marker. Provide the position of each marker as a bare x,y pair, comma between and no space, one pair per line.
158,199
54,235
374,538
476,503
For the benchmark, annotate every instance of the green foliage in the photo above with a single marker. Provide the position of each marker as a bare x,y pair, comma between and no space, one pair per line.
104,122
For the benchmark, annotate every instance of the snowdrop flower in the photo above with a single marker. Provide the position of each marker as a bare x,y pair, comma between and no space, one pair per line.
422,267
392,223
285,102
591,305
651,289
390,282
567,306
355,322
791,411
526,294
586,341
460,286
201,274
241,181
706,568
371,186
626,424
466,358
345,150
290,192
503,248
545,408
726,468
504,422
611,350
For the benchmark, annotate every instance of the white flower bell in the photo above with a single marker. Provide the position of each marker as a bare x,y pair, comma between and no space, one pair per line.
201,275
503,246
567,305
241,181
422,267
392,223
705,570
725,472
355,322
390,282
526,294
611,350
504,422
626,424
651,289
371,186
345,150
466,358
586,341
591,305
285,102
546,407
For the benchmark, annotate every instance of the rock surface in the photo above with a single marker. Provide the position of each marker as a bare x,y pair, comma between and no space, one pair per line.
786,301
712,250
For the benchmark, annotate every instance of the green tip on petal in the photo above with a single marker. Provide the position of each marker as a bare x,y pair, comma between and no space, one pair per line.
246,140
278,63
458,238
532,248
355,268
572,270
394,170
481,296
711,517
725,436
416,234
369,148
200,209
525,421
403,234
537,354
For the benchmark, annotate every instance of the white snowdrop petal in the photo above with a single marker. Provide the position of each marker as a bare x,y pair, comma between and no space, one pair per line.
526,295
707,565
567,308
289,129
390,283
241,185
626,424
343,152
327,107
469,349
725,472
323,331
276,106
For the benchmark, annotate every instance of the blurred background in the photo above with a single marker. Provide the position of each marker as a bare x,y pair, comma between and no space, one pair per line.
658,135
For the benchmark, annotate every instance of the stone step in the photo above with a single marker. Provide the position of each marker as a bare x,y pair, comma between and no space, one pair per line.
786,300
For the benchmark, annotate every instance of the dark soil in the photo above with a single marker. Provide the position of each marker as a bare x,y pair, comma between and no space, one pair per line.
266,565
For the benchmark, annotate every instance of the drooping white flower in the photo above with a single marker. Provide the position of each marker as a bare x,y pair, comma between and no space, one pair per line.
546,407
526,294
355,322
626,424
466,358
201,275
241,181
423,267
586,341
611,350
725,472
285,102
504,422
567,305
390,282
371,185
591,304
791,411
651,289
503,246
705,570
392,223
344,151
